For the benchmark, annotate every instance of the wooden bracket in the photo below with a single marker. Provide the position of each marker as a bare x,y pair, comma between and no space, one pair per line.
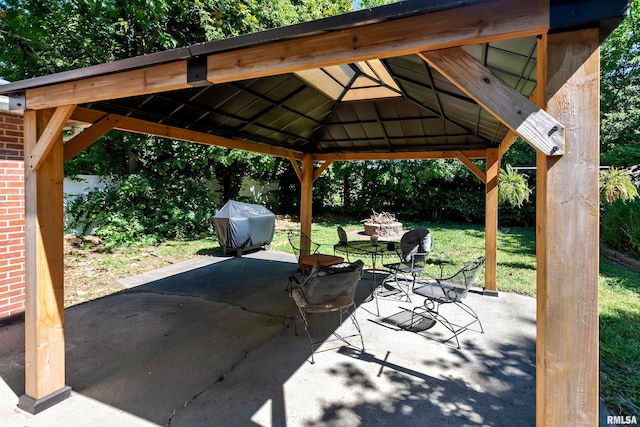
52,131
482,176
522,116
296,167
322,168
88,136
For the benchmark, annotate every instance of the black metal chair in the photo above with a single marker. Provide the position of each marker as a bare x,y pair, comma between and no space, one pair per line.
325,290
450,290
307,258
415,245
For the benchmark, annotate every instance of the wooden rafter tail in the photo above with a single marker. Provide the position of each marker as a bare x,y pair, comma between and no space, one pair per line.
49,136
522,116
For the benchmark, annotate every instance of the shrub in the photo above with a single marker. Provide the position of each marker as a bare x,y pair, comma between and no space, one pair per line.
616,184
621,227
137,208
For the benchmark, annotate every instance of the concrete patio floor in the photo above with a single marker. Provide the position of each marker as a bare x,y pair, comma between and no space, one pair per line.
210,342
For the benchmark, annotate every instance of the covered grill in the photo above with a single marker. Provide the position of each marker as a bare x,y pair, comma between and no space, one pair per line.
244,226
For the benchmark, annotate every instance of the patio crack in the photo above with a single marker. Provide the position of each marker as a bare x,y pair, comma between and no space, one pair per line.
221,378
218,301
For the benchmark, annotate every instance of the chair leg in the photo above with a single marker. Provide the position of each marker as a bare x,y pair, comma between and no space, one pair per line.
350,311
471,313
434,312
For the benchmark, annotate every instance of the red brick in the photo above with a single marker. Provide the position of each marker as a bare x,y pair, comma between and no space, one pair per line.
10,294
7,309
18,272
13,171
11,118
8,269
12,229
16,299
3,288
11,126
9,242
13,143
17,285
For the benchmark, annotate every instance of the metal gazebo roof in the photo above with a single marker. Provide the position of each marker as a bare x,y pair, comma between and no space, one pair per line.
384,104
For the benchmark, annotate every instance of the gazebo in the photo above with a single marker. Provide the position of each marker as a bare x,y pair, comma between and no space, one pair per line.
411,80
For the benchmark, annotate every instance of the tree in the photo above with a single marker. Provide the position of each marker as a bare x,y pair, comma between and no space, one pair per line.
620,94
47,36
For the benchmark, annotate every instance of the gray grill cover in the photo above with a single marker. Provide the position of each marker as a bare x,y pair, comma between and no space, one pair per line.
242,225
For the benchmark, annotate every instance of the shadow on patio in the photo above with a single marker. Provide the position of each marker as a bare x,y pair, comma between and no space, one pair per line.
214,345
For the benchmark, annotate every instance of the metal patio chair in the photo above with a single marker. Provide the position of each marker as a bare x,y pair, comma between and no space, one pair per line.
310,257
450,290
415,245
325,290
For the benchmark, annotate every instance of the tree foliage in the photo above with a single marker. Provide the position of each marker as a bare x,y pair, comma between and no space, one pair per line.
620,93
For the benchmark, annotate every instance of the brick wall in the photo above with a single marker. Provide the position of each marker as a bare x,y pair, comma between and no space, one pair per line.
12,233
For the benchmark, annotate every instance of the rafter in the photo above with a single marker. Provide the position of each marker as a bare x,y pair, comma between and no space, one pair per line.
406,155
519,114
140,126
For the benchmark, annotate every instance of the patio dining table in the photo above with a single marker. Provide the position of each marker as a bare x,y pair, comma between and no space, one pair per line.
365,247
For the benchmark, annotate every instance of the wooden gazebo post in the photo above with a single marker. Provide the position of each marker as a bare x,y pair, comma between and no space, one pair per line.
491,221
567,237
44,319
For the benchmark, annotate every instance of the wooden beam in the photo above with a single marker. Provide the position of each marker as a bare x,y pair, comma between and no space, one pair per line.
296,168
482,176
44,311
539,95
88,136
306,199
322,168
50,136
407,155
567,240
491,222
140,126
507,142
457,26
143,81
522,116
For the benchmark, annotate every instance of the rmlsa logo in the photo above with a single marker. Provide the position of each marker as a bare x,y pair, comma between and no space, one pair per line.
621,420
